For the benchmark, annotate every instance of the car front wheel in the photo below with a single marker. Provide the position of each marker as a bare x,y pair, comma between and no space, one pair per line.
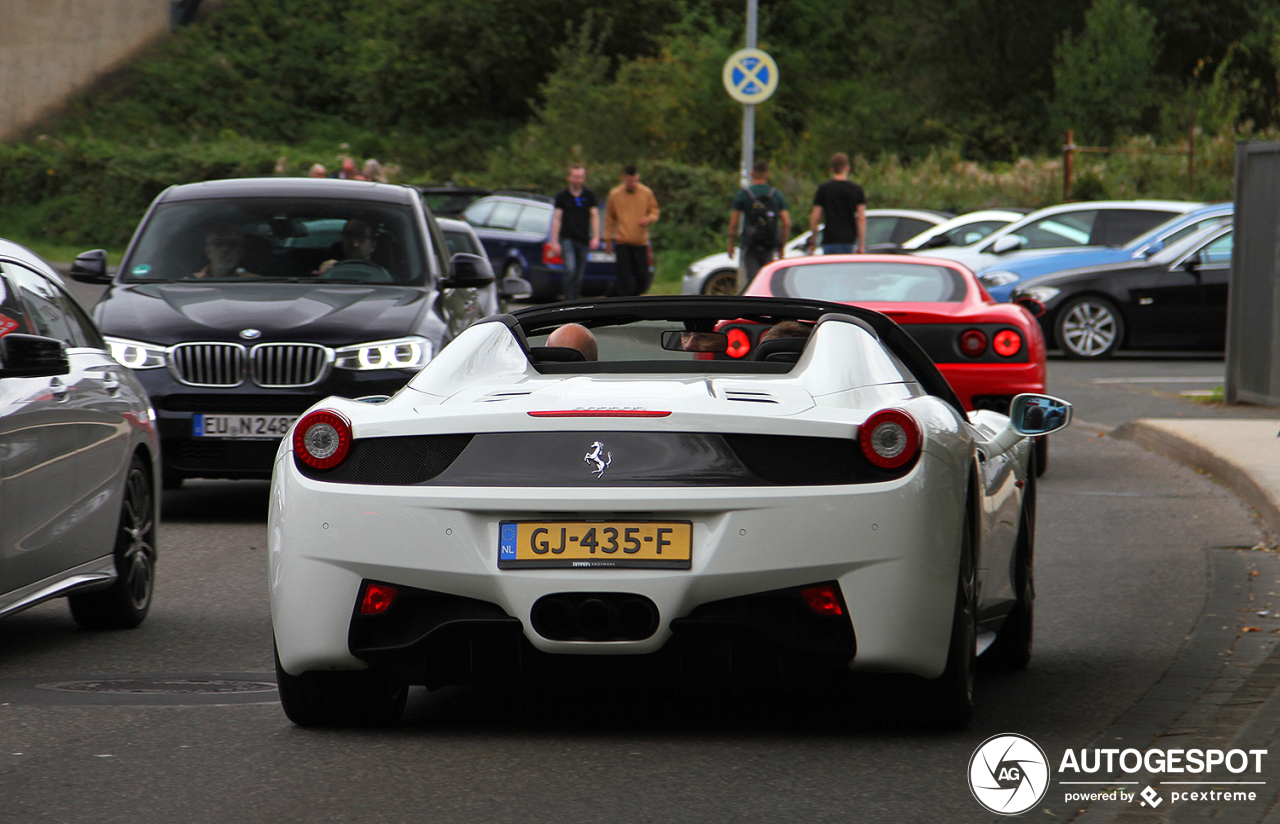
126,602
723,282
366,698
1089,327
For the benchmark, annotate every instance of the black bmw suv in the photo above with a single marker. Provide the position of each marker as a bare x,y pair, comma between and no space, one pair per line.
240,303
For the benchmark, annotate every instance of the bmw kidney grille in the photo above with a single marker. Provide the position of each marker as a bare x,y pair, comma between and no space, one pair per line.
273,365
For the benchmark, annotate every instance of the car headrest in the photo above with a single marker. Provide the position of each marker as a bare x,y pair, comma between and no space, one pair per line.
786,350
556,354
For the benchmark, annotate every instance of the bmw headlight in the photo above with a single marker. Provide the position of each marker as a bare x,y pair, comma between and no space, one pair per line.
136,354
1044,294
401,353
994,279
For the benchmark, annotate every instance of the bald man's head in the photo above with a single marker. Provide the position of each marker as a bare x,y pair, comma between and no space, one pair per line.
575,336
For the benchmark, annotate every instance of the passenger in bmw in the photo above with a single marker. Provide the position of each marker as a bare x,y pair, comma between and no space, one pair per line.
575,336
224,246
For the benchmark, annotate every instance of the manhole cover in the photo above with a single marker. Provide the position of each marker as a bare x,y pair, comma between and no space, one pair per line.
177,686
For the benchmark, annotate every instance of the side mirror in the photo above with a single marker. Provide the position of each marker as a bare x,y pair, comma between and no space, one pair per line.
516,289
32,356
1155,246
1192,263
90,267
467,271
1031,414
937,241
1007,243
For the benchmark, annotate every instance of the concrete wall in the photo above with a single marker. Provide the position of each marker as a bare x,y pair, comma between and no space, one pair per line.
52,48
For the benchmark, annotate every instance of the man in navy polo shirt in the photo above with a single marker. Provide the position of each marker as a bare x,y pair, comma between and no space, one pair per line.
575,229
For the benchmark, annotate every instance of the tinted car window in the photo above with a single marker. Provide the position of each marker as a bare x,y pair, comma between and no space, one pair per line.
279,238
477,213
504,215
1116,227
43,304
1219,251
908,228
461,242
534,219
880,229
973,232
870,282
13,318
1070,229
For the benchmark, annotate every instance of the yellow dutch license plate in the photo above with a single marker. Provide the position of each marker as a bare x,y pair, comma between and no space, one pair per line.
649,544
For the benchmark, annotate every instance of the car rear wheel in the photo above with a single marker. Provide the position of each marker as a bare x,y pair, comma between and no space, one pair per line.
723,282
949,697
1090,327
125,603
1012,647
366,698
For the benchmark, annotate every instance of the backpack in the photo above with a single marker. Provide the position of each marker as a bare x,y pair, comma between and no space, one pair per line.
761,226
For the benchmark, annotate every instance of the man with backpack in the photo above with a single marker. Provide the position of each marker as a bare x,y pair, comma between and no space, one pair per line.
766,224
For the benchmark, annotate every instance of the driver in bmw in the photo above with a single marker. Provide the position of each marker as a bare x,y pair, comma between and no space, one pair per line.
358,243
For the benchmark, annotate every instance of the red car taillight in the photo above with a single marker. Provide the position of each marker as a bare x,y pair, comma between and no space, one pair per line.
890,438
550,257
377,598
973,343
739,343
823,599
1007,343
322,439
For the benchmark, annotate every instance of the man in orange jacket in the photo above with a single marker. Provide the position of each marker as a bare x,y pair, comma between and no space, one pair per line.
628,213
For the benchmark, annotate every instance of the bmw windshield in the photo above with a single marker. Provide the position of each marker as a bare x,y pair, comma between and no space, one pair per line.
273,239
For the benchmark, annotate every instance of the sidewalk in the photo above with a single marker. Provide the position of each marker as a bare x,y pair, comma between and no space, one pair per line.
1232,659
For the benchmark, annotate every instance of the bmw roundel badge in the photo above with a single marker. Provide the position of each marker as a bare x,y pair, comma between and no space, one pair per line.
250,334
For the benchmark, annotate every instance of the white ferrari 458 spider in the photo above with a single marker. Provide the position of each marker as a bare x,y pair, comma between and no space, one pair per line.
824,506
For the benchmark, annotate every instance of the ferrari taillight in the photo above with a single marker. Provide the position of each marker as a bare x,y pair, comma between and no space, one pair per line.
1007,343
890,438
377,598
823,599
549,256
739,343
973,343
322,439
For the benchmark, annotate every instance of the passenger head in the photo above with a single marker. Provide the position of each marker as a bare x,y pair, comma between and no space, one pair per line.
786,329
358,240
223,245
575,336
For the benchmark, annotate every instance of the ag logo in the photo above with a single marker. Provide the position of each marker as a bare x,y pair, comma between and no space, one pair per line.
1008,774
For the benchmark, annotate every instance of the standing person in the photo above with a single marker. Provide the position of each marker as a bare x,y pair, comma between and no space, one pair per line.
843,204
628,213
767,224
575,228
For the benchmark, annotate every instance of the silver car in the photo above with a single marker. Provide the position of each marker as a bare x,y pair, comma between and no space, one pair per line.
79,457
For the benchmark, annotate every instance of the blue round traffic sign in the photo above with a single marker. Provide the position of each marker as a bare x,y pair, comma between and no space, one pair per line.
750,76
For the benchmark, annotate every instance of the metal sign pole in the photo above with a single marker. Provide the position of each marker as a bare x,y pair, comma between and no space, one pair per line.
749,109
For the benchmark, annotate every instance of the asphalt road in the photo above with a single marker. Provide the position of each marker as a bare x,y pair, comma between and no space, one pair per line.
174,721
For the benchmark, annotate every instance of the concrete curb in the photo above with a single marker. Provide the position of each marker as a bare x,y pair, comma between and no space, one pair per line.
1243,454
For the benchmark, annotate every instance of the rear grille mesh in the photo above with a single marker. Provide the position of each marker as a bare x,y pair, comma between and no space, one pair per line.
208,364
289,364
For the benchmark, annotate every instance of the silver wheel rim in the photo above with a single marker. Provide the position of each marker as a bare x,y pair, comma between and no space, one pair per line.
722,283
137,532
1089,329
